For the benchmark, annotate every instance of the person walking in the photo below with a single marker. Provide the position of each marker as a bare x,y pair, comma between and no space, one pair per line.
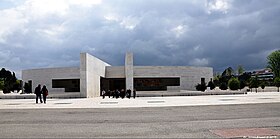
38,93
45,93
117,94
113,93
129,93
122,94
109,93
103,93
134,93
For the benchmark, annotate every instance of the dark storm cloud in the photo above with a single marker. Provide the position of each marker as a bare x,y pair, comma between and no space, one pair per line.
216,33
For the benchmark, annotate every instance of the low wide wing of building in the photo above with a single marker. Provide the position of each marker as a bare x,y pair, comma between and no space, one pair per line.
94,75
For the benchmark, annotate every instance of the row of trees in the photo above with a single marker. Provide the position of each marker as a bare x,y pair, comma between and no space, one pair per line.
241,79
236,82
8,81
274,64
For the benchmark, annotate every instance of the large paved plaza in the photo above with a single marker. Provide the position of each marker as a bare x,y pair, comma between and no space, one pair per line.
98,102
229,116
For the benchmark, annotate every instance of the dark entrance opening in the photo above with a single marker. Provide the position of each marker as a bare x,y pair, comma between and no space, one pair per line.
30,85
155,84
140,84
112,83
202,81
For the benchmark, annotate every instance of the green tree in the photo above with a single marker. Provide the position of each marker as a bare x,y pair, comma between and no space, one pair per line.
1,84
233,84
223,86
242,84
254,83
201,87
277,82
262,85
228,72
250,86
17,85
216,80
226,76
274,62
240,70
9,79
244,77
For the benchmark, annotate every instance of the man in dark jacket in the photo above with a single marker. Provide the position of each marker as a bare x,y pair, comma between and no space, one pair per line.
38,93
45,93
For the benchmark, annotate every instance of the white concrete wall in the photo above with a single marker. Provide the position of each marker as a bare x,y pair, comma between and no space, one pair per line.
44,76
115,72
91,69
129,71
189,76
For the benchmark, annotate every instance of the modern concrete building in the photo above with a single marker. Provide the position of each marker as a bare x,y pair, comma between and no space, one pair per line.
94,74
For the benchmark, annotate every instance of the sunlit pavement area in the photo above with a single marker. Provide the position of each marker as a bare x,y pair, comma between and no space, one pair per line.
252,115
250,98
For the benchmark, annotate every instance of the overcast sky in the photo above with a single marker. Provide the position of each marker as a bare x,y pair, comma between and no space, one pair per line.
215,33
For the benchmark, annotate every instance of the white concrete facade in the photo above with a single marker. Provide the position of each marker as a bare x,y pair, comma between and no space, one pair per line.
129,71
46,75
92,69
189,76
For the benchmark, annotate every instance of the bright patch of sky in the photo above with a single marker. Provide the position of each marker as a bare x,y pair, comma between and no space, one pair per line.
5,4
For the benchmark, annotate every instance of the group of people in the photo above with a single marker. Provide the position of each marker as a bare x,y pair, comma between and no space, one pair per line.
119,94
39,92
114,94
